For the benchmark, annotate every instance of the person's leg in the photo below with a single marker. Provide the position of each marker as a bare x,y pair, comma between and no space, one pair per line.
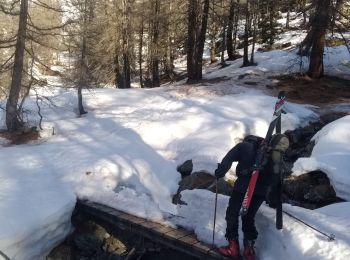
248,221
249,229
232,215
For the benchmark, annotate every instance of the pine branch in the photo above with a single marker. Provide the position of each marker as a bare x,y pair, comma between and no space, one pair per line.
341,14
62,26
7,65
7,46
344,39
31,38
41,4
10,12
36,33
12,39
55,72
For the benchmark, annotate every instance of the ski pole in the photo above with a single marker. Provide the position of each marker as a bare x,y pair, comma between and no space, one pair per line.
330,237
4,255
216,202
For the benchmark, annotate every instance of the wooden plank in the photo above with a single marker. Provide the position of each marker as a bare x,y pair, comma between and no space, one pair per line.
136,220
148,224
112,211
124,217
161,229
176,238
189,240
214,253
201,247
178,233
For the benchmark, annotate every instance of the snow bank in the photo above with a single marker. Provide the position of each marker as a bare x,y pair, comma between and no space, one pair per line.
331,155
35,205
294,241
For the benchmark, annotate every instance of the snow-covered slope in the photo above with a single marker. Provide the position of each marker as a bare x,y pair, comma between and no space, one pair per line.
124,153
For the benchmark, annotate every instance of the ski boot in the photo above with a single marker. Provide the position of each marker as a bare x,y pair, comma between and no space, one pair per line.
249,250
232,250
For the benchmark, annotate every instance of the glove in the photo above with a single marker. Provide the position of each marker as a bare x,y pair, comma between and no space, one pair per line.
218,173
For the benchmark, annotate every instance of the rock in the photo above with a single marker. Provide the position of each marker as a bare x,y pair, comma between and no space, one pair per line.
295,188
309,148
114,245
330,117
88,244
235,56
286,45
185,169
201,180
321,194
251,83
61,252
311,190
300,141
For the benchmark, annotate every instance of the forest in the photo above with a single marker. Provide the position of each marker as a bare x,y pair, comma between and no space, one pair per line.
117,42
135,112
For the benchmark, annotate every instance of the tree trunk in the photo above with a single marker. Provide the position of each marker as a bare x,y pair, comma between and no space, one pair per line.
229,40
201,39
155,39
196,39
191,39
119,79
140,51
303,10
272,14
212,52
255,21
83,65
169,54
126,47
319,26
288,14
246,38
223,46
235,29
13,122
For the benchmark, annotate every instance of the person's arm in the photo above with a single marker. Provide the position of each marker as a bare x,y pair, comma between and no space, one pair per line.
226,163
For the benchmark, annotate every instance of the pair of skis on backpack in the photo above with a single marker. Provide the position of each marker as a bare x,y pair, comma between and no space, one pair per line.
275,124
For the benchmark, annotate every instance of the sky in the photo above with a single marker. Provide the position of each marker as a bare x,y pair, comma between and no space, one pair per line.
124,154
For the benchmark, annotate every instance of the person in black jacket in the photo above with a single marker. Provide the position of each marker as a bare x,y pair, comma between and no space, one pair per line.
245,154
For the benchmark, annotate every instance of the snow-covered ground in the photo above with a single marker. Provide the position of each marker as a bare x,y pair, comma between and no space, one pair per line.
331,156
124,154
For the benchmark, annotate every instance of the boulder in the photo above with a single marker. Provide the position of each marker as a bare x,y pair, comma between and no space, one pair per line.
201,180
185,169
310,190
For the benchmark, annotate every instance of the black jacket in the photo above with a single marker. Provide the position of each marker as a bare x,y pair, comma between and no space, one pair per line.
245,154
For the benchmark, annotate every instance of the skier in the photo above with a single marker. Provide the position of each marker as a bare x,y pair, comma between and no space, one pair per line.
245,154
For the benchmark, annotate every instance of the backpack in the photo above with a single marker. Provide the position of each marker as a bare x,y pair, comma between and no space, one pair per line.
279,143
253,139
271,154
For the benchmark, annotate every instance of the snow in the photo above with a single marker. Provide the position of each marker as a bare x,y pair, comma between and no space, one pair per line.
35,205
124,154
331,155
294,241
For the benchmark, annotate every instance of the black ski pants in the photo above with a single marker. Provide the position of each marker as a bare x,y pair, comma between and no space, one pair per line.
248,222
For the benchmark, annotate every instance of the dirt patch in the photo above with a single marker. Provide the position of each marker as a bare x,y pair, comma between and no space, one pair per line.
23,137
213,80
303,89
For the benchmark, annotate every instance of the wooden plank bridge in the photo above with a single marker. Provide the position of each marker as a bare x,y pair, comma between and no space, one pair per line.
178,239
